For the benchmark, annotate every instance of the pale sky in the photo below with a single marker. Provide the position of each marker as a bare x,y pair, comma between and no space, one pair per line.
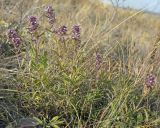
150,5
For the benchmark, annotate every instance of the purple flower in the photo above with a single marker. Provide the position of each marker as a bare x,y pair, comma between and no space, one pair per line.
16,41
32,19
98,61
62,30
150,80
33,25
76,32
14,38
50,14
12,33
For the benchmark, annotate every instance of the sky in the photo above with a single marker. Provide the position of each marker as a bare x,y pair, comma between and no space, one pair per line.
149,5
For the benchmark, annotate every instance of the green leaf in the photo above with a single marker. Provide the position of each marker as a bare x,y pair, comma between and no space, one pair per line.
55,121
139,117
38,120
55,126
54,118
146,115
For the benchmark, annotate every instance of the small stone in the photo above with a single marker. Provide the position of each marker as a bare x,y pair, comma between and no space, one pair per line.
27,123
2,124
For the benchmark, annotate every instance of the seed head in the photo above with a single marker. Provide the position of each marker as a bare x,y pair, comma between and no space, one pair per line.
62,30
14,38
33,24
76,32
11,33
50,14
98,60
150,80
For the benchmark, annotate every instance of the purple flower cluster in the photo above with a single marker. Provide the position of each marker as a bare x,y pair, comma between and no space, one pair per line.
76,32
14,38
33,24
62,30
98,61
50,14
150,80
